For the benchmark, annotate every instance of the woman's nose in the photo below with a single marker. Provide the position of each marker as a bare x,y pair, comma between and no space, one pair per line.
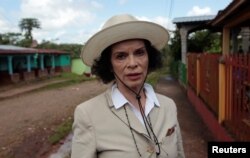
132,63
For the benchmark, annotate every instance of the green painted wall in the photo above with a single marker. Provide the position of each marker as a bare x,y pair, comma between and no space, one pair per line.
78,67
3,63
18,61
62,60
182,73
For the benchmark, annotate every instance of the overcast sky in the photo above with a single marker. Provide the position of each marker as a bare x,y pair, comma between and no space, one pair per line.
74,21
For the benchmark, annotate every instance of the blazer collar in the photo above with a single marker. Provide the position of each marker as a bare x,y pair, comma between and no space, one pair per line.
134,122
119,100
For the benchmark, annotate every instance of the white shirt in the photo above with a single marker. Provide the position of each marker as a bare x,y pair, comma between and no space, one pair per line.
151,100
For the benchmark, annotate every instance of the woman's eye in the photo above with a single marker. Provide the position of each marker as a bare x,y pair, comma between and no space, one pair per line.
140,52
120,56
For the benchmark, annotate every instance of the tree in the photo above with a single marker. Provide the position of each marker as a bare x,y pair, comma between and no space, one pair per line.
27,25
175,45
10,38
74,49
204,41
24,43
175,52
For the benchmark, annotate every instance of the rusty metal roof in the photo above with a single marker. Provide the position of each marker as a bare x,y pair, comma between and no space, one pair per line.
236,13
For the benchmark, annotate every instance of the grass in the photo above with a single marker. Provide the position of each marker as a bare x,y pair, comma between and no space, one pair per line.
69,79
61,131
154,77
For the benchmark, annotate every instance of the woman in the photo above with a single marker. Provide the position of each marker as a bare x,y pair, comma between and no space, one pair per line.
129,120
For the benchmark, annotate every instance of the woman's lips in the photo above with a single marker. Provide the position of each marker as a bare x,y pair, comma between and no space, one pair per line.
134,76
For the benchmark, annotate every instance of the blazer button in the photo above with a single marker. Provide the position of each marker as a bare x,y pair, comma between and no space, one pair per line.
151,149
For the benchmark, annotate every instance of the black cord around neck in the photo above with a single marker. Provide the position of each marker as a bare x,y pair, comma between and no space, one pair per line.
147,123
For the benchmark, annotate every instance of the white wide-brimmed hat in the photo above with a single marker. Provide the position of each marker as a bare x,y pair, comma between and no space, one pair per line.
119,28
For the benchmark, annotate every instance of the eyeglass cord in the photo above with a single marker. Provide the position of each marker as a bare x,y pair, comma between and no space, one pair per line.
145,120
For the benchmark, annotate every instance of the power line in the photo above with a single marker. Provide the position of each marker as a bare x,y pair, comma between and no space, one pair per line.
10,22
170,9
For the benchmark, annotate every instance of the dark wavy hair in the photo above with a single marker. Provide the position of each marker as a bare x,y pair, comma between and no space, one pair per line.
102,66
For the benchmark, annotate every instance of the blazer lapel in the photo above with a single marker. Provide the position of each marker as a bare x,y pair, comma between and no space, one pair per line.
154,116
121,114
130,119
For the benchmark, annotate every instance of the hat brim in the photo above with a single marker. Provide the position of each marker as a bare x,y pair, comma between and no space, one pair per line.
156,34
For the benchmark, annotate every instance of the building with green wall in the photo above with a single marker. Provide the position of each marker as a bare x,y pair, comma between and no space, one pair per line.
78,67
25,64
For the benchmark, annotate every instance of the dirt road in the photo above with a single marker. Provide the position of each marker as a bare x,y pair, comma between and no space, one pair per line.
27,120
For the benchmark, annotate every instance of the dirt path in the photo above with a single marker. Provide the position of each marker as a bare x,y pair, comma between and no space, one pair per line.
27,120
194,132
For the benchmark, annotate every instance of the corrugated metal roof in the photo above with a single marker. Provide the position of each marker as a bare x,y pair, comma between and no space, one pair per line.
10,49
193,19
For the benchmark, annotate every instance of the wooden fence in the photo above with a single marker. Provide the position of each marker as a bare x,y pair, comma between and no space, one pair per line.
203,77
209,80
192,70
237,108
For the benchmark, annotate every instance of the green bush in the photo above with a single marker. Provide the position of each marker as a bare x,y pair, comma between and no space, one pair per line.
61,131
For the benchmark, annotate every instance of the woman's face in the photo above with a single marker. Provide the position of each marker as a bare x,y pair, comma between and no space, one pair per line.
130,63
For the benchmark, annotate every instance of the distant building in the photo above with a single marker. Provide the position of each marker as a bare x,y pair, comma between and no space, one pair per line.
79,68
26,64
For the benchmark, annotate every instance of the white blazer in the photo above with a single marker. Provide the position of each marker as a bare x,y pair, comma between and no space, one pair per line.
101,131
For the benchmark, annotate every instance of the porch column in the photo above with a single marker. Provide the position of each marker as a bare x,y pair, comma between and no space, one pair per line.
10,67
53,61
198,75
222,91
183,32
235,47
245,39
226,41
42,62
28,63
